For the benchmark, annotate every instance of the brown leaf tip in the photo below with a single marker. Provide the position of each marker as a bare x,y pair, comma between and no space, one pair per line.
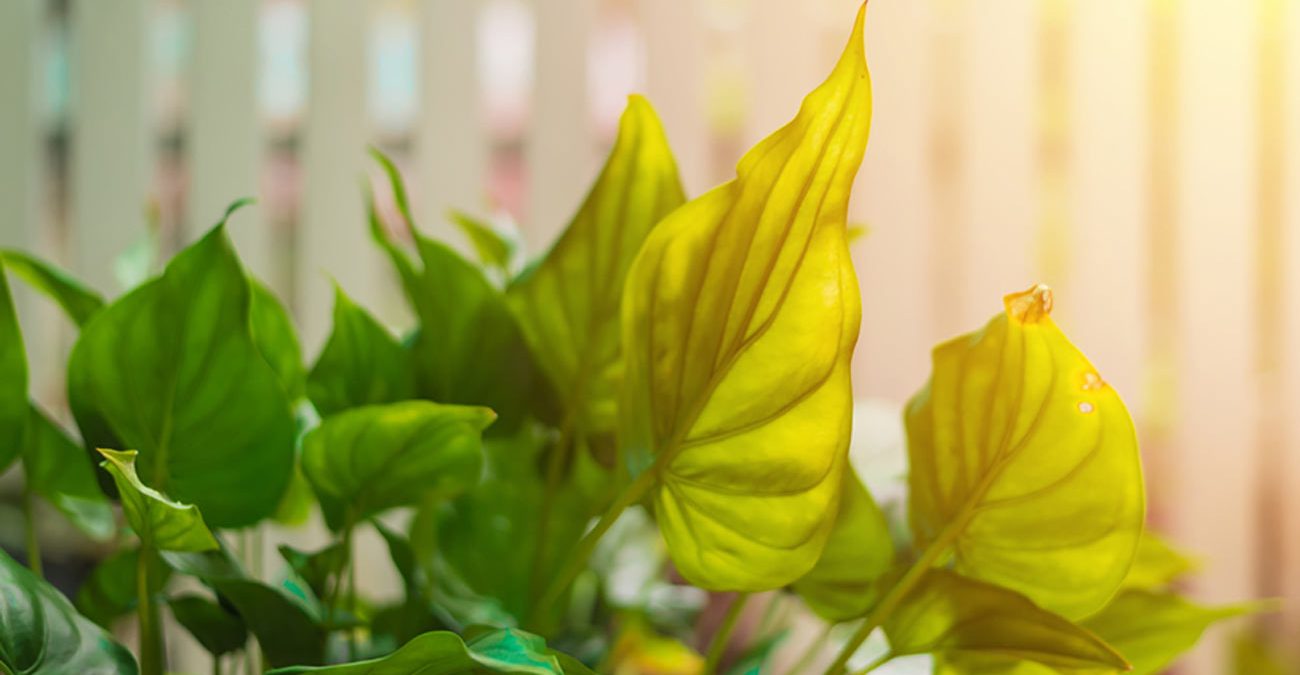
1029,306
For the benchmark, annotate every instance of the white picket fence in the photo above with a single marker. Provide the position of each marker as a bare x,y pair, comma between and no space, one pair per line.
1141,156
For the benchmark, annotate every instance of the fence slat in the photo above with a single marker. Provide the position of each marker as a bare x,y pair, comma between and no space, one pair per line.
676,63
451,141
112,158
789,52
225,139
561,151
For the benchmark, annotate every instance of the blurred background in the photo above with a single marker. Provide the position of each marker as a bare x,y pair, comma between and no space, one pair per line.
1140,156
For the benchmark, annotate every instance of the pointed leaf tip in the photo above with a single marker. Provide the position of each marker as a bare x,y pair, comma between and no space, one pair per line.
1030,306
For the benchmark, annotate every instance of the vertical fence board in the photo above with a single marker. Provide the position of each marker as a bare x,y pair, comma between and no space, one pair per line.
111,143
1286,527
332,240
561,151
451,142
675,66
788,53
225,139
1215,442
893,199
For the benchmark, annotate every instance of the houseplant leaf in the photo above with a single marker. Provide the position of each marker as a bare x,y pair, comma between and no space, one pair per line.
219,631
739,320
952,616
843,583
315,568
79,301
369,459
41,634
469,349
1151,629
568,303
496,251
361,364
13,378
60,471
111,592
1157,564
1024,463
161,523
171,369
441,653
276,339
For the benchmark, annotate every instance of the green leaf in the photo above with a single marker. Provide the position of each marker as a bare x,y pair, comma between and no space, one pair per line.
41,634
60,471
1024,463
13,378
569,303
276,339
171,369
843,584
503,651
78,300
361,364
286,621
219,631
739,319
315,569
469,349
1157,565
111,590
496,251
1152,629
950,615
373,458
161,523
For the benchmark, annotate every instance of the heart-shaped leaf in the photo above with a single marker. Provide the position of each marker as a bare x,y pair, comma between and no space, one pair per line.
361,364
41,634
13,378
171,369
843,584
60,471
219,631
1151,629
739,320
503,651
1024,462
568,304
161,523
373,458
953,616
79,301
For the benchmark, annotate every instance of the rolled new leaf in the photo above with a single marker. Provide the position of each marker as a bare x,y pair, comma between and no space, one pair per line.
506,651
568,303
365,460
739,319
161,523
844,583
1024,462
954,617
41,634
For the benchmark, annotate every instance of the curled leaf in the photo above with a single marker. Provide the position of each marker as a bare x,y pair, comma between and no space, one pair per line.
162,524
1024,462
739,319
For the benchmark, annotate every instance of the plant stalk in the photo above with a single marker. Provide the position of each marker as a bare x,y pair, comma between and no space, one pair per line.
718,645
554,467
582,551
152,650
884,658
29,520
814,648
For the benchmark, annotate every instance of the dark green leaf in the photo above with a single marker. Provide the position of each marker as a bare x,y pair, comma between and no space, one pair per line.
316,568
219,631
1152,629
59,470
13,378
79,301
276,339
171,370
111,592
378,457
362,363
161,523
41,634
504,651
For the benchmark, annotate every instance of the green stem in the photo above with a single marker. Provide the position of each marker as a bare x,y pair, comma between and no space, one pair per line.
554,468
33,542
345,561
216,664
884,658
814,648
152,654
718,645
577,560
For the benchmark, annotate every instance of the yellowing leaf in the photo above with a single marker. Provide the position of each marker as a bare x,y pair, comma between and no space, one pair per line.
739,321
955,617
569,303
161,523
859,552
1024,463
639,651
1152,629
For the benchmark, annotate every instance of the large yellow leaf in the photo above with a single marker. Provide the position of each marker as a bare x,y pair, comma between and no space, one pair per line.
740,317
568,305
1024,462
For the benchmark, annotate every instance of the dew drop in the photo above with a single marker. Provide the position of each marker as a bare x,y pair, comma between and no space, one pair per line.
1085,407
1092,381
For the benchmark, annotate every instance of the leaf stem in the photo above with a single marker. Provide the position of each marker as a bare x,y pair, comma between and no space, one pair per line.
152,655
29,519
884,658
554,467
814,648
577,560
718,644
